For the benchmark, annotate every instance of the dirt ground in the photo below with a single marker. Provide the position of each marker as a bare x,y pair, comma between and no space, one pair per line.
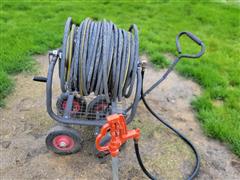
24,125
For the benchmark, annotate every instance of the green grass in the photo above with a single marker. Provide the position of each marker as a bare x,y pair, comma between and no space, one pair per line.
33,28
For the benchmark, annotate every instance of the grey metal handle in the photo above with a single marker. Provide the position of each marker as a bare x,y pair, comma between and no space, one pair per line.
40,79
195,39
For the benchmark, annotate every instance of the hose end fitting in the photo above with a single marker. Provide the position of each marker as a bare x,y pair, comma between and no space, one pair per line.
144,65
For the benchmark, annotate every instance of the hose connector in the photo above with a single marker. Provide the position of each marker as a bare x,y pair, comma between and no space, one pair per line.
144,65
117,127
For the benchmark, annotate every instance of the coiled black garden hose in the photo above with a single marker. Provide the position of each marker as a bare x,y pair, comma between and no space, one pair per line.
99,57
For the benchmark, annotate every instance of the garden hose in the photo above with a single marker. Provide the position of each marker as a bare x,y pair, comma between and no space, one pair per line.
163,121
70,39
99,57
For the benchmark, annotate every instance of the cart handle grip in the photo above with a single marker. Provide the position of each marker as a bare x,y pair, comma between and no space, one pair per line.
195,39
40,79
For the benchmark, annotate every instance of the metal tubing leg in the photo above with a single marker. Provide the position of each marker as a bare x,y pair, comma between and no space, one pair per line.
115,168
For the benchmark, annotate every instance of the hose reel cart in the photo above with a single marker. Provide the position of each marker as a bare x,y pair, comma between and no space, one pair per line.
99,70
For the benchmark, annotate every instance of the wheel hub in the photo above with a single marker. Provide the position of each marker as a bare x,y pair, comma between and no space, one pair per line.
63,142
76,106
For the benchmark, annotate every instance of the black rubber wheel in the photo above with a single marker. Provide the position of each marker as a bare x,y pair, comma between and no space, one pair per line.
63,140
79,105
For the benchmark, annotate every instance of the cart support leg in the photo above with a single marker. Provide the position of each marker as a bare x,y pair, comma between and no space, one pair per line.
115,168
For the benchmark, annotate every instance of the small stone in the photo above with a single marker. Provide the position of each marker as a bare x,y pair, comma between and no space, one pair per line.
29,154
236,164
209,152
171,100
218,165
181,119
6,144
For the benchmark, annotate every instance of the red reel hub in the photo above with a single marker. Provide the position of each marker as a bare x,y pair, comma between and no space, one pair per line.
76,106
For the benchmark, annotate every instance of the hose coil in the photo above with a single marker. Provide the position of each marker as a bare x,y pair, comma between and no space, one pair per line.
99,57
